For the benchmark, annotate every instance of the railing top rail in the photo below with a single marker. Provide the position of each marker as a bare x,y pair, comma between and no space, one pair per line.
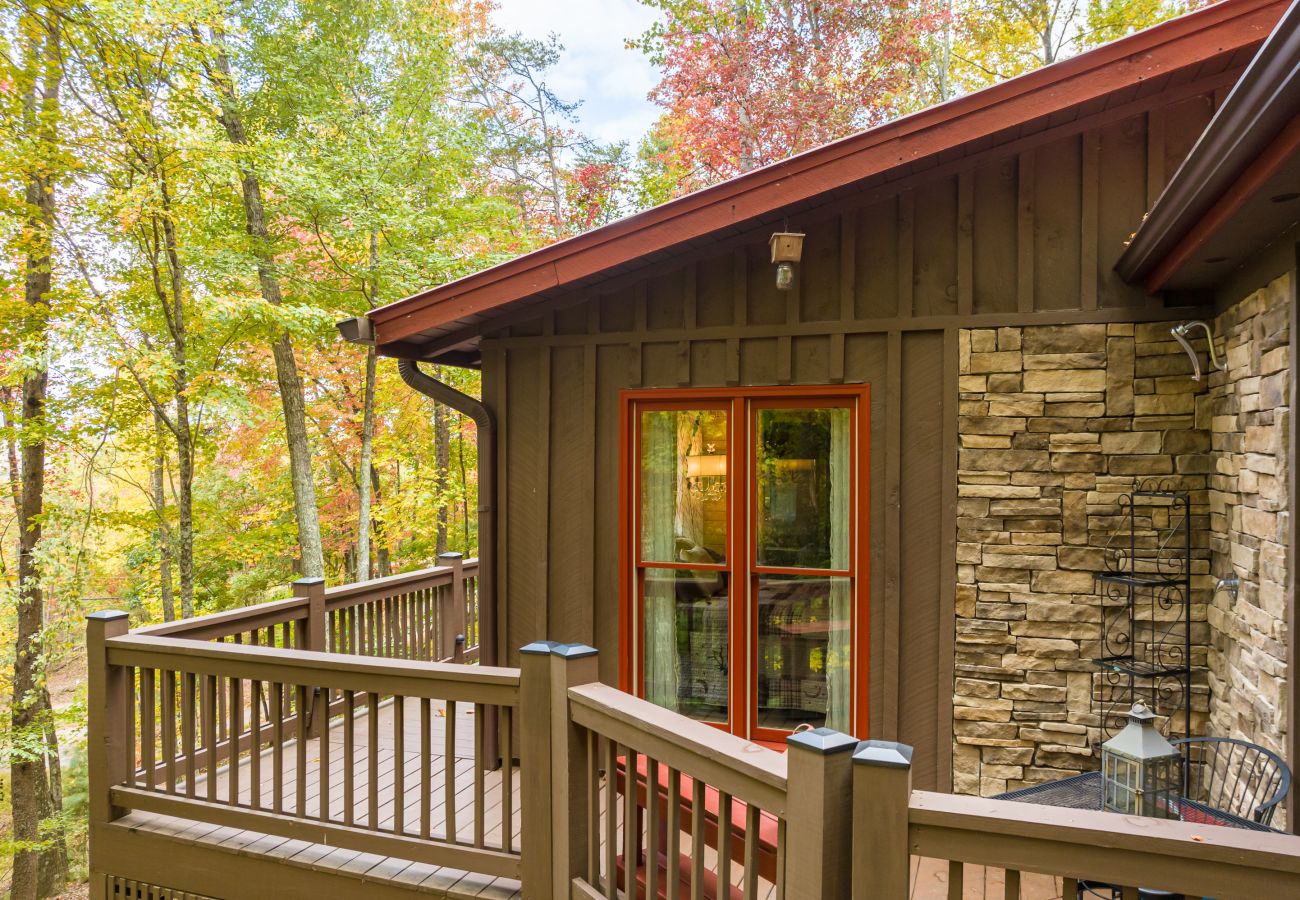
1187,857
347,594
409,678
743,769
230,621
277,612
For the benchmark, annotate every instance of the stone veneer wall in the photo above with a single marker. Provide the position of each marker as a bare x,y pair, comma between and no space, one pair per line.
1247,410
1056,423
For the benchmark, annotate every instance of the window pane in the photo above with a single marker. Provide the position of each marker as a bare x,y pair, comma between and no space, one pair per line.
804,651
684,486
686,638
803,462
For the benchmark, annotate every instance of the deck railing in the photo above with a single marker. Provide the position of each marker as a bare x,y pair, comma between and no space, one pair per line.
617,797
170,761
429,614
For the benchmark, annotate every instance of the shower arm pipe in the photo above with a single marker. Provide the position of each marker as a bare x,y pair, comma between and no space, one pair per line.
1180,334
485,425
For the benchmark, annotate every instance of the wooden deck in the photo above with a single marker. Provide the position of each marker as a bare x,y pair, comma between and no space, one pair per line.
930,877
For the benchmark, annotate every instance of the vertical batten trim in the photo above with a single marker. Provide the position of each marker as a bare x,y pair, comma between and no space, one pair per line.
848,289
1025,232
893,549
545,412
588,502
906,243
635,372
1089,185
501,410
949,397
965,243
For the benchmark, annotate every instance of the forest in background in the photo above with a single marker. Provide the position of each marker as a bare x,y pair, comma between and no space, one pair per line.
192,193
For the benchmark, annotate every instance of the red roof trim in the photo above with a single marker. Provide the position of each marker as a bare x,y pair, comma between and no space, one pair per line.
1171,45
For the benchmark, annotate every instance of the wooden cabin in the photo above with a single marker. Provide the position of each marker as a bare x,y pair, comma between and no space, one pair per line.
954,437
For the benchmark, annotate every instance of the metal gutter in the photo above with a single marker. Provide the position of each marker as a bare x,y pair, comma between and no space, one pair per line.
487,494
360,330
1263,102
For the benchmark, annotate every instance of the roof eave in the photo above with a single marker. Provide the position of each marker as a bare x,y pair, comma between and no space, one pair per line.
1263,103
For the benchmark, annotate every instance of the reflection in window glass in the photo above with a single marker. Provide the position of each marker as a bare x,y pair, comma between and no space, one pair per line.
686,638
684,486
804,651
802,459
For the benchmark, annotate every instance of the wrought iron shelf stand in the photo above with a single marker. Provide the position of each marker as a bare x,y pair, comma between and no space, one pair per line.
1146,593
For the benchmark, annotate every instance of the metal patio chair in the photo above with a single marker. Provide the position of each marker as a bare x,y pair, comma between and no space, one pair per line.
1234,776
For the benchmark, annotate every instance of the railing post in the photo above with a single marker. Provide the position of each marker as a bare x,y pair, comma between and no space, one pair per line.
882,789
819,777
106,726
314,639
553,767
453,615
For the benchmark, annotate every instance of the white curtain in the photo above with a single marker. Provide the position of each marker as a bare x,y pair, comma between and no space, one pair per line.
839,655
660,470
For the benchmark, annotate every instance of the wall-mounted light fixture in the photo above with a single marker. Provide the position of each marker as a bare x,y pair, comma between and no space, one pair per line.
1182,334
787,247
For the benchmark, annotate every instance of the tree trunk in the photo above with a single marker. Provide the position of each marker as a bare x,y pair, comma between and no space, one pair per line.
287,378
383,562
363,471
367,433
442,459
185,502
36,795
164,531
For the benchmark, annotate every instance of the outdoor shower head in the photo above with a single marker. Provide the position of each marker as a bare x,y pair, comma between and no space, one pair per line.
1180,333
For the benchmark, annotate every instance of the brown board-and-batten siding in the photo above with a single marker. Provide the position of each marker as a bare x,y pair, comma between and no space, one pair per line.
1025,231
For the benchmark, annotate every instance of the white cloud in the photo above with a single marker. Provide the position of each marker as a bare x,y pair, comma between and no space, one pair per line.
596,68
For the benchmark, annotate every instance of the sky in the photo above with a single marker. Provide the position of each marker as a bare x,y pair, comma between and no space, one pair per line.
611,81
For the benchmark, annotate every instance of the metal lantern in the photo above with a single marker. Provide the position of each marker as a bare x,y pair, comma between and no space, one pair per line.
1141,772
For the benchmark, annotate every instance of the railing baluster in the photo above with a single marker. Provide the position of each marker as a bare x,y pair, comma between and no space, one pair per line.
399,764
255,749
652,827
593,809
1069,888
631,821
780,859
697,839
480,767
956,882
1011,885
674,849
449,770
426,767
208,709
323,755
610,757
236,708
300,704
752,816
349,756
129,704
507,780
372,755
187,730
148,728
169,729
277,746
724,842
219,733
